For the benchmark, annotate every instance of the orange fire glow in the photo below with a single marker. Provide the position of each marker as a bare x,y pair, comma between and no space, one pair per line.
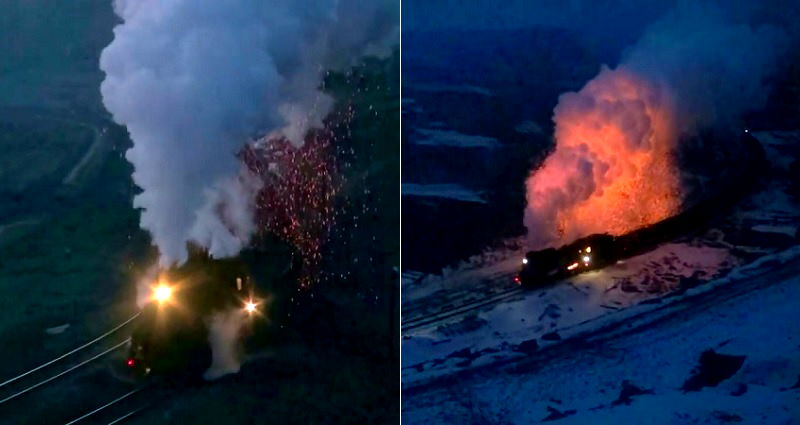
612,170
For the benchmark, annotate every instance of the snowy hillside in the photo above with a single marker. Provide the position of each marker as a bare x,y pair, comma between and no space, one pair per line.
650,371
608,345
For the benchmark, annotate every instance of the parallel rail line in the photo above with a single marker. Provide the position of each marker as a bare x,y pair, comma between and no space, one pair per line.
71,352
111,403
55,375
467,307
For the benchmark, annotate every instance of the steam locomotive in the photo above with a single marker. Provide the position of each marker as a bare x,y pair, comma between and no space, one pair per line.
171,338
600,250
592,252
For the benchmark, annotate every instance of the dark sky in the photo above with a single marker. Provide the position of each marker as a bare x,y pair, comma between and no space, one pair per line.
486,14
606,21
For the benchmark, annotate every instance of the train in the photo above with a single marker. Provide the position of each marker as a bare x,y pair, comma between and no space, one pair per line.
600,250
171,338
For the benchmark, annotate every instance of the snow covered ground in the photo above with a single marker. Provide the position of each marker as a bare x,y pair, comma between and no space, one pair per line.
451,88
647,371
450,138
525,319
499,330
755,239
487,267
443,190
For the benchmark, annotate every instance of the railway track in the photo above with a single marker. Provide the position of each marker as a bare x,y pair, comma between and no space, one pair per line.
118,409
460,309
688,223
71,352
63,373
670,309
20,388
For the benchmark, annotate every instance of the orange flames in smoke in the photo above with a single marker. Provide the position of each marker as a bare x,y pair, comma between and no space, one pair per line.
613,169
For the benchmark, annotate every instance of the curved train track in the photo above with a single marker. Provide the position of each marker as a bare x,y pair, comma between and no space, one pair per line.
118,409
691,221
26,384
459,309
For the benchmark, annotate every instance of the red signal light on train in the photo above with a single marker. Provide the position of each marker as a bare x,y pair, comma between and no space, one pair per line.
131,362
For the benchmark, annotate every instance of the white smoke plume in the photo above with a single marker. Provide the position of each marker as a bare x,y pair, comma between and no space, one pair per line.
613,168
223,335
193,80
713,60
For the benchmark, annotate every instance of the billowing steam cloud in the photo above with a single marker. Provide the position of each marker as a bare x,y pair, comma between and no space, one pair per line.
193,80
611,171
613,167
223,336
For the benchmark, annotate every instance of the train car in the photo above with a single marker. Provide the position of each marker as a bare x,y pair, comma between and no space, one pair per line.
171,337
600,250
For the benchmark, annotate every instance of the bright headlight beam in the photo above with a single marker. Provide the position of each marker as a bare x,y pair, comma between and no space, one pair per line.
250,307
587,258
524,261
162,293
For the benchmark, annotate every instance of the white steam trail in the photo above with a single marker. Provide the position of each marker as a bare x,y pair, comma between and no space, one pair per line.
223,335
192,80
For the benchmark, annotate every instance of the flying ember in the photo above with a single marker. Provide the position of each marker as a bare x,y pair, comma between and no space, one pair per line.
296,202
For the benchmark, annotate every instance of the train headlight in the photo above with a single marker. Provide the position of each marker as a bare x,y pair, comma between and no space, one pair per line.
524,261
587,259
162,293
250,307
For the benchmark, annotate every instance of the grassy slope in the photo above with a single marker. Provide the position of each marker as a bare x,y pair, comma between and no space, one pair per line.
80,243
70,266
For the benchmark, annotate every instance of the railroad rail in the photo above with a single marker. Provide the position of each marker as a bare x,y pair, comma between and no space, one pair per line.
459,310
60,367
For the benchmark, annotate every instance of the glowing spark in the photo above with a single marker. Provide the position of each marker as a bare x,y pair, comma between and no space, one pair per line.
297,199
